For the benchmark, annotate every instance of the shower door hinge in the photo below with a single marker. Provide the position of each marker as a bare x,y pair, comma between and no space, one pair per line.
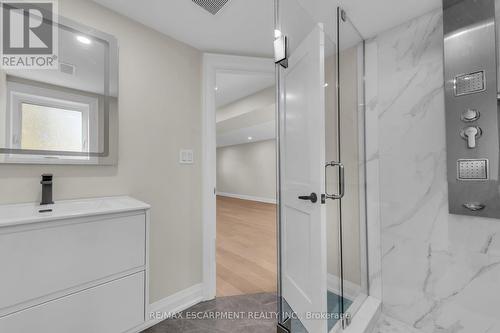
286,327
346,320
343,15
281,50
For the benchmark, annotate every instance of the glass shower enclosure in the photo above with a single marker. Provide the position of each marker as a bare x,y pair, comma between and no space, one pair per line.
322,243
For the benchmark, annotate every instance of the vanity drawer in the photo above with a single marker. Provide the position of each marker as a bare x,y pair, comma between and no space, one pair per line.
47,262
114,307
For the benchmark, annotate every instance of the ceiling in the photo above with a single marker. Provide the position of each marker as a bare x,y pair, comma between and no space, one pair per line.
242,27
247,108
245,27
234,86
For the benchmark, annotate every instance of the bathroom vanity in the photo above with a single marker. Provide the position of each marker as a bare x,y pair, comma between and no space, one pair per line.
78,266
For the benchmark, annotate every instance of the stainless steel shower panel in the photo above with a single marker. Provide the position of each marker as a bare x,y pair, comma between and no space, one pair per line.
472,122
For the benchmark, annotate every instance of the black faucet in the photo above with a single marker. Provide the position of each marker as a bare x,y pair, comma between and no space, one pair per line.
46,189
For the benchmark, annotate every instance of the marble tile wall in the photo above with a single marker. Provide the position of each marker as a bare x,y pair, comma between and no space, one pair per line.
372,171
440,272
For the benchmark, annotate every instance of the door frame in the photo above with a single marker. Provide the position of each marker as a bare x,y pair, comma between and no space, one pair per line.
212,63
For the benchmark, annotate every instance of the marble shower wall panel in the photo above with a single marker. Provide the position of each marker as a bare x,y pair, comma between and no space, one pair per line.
372,170
440,272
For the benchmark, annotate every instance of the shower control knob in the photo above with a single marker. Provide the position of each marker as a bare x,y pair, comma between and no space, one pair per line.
470,115
470,134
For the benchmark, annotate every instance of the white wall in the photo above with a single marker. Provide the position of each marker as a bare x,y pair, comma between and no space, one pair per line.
248,170
440,272
159,113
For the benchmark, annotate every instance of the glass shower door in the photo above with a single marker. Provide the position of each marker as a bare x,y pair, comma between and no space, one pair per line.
351,153
322,265
304,86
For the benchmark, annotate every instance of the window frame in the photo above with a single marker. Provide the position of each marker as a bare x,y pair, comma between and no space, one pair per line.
21,93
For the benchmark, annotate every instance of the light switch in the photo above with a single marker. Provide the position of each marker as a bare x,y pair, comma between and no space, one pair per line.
186,156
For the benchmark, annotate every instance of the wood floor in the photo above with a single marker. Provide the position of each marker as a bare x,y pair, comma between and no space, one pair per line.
246,247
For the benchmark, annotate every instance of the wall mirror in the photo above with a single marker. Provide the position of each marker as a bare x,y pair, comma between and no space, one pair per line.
67,115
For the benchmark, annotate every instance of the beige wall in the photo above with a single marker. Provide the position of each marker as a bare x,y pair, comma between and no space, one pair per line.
247,169
159,113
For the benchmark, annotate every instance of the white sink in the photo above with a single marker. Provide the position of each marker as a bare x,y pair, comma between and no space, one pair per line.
32,212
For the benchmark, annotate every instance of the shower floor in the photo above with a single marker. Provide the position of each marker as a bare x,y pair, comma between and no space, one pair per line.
333,306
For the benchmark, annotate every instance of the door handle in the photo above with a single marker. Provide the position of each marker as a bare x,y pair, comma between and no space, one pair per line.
340,194
312,197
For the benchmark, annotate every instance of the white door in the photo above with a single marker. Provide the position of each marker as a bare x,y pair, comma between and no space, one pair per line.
303,232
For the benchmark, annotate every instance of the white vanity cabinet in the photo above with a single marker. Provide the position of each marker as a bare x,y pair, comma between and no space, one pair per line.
80,268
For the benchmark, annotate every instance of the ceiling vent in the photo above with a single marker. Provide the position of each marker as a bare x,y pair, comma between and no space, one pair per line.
212,6
67,68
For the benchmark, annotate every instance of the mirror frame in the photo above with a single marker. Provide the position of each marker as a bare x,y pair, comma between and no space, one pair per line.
109,153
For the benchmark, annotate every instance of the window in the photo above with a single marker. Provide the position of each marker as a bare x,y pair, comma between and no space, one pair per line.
49,119
50,128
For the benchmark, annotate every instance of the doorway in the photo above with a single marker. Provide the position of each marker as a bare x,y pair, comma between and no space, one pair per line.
246,183
239,131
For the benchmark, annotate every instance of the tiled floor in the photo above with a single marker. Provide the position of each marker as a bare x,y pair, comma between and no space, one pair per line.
255,313
260,306
387,324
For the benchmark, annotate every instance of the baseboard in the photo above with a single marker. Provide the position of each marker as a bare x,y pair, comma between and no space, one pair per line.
247,197
167,307
351,290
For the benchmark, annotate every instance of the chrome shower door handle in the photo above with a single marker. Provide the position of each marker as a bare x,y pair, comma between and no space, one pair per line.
340,194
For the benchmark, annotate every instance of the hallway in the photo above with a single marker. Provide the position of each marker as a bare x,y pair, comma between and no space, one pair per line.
246,247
